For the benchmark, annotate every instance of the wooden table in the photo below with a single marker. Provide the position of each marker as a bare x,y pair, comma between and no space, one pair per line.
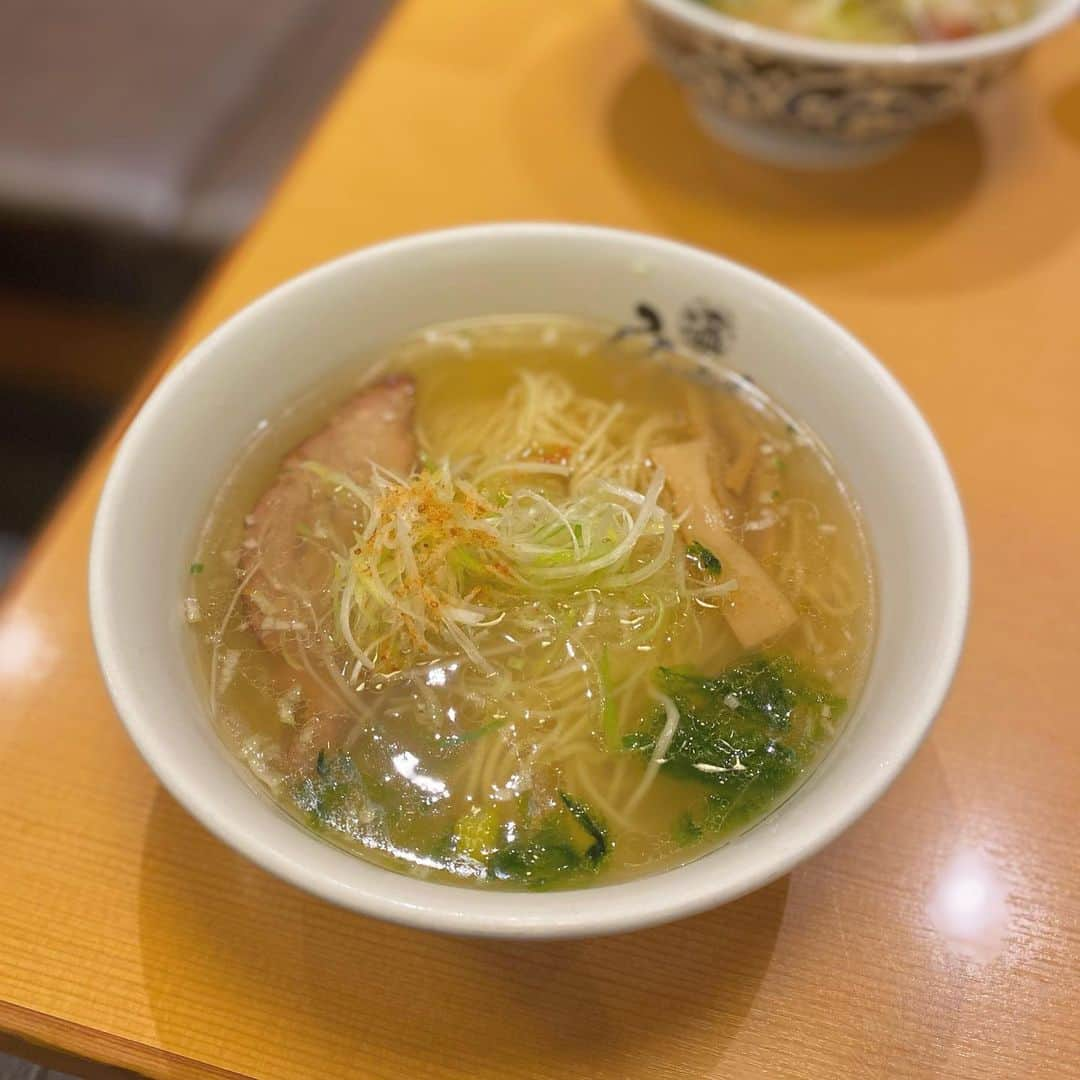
937,938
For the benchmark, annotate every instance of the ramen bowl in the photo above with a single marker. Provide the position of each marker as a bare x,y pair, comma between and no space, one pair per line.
808,103
189,433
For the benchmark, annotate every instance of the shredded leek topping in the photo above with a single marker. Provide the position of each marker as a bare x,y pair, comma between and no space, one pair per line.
444,566
544,521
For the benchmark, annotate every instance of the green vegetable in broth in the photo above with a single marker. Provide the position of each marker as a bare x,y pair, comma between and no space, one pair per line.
476,835
453,619
334,797
585,818
707,562
566,842
746,733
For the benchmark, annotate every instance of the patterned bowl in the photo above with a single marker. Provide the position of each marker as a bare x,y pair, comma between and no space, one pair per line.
808,103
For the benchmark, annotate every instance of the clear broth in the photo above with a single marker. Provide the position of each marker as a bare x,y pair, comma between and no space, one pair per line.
539,775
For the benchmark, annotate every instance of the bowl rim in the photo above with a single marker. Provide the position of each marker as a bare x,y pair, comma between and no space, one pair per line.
1051,17
590,911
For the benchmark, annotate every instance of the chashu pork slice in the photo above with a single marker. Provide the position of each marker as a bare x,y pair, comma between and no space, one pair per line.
286,569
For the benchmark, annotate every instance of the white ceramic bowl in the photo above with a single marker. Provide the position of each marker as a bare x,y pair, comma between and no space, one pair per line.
188,434
808,103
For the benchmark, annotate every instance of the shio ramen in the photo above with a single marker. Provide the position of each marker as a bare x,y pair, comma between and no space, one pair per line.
524,605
